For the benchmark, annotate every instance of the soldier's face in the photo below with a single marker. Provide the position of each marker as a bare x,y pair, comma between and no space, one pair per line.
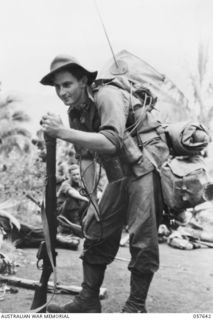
75,176
69,89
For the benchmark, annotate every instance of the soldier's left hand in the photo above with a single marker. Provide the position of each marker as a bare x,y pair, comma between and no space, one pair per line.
51,124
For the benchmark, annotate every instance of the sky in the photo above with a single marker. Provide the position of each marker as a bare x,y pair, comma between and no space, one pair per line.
164,33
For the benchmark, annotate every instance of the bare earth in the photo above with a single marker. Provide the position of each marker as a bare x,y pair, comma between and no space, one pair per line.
184,283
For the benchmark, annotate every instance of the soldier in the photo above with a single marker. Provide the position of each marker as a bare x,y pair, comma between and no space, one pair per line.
70,202
99,116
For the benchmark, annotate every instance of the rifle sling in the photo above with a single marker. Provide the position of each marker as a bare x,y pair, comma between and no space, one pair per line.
50,255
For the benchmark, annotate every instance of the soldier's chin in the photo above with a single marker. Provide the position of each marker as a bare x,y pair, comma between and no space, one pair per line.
67,102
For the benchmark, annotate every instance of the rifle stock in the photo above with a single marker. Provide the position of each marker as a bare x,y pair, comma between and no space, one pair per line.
46,252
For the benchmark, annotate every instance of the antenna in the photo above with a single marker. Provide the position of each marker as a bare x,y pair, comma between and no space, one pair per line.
118,68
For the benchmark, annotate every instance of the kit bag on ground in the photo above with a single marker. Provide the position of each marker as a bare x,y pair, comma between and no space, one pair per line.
184,180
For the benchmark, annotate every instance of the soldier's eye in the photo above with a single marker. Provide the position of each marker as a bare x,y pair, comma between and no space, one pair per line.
67,84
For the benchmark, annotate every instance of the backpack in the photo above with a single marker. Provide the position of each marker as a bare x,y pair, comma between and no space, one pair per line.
137,75
183,181
138,90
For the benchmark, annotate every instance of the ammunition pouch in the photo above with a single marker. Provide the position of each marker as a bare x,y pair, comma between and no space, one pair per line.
146,137
130,152
131,158
155,152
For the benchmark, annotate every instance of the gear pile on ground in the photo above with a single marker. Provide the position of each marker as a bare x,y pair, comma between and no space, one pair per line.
195,230
23,235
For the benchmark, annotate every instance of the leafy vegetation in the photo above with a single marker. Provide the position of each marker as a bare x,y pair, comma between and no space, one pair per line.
21,167
202,86
13,135
19,176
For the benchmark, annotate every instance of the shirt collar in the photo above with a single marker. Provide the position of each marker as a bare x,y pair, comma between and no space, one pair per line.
90,94
85,105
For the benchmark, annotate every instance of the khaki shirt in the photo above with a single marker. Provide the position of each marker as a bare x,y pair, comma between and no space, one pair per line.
106,112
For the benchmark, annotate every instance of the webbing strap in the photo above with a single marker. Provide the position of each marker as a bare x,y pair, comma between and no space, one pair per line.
151,159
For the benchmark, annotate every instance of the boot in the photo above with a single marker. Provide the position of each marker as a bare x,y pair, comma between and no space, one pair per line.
87,301
139,284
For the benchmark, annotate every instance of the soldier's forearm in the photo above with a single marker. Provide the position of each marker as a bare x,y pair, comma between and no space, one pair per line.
90,140
75,194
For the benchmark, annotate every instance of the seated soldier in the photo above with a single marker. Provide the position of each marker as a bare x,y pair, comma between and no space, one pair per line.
70,203
60,175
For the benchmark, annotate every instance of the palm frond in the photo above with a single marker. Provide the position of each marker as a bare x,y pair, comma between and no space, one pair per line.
20,116
13,221
202,62
210,113
22,143
7,204
15,131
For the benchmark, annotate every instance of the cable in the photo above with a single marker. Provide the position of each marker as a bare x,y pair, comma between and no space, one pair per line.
89,195
105,31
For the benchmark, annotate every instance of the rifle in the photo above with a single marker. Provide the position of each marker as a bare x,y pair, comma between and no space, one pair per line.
46,251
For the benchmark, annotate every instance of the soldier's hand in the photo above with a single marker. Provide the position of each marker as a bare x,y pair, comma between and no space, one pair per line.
51,124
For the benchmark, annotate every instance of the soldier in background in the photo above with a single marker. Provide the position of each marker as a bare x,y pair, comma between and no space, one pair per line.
70,203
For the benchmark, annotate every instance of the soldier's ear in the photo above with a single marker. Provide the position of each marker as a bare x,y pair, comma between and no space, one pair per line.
84,81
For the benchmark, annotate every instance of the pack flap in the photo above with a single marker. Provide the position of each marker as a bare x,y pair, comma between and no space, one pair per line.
182,167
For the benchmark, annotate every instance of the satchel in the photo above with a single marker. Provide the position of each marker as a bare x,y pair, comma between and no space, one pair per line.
183,181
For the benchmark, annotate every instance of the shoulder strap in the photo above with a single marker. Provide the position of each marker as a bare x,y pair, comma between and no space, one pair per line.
151,159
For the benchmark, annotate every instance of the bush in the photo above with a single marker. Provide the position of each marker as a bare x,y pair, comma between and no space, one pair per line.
21,175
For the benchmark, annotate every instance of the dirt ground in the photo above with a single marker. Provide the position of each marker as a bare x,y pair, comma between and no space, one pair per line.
184,283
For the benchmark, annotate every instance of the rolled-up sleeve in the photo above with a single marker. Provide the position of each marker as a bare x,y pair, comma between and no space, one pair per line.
65,187
113,110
